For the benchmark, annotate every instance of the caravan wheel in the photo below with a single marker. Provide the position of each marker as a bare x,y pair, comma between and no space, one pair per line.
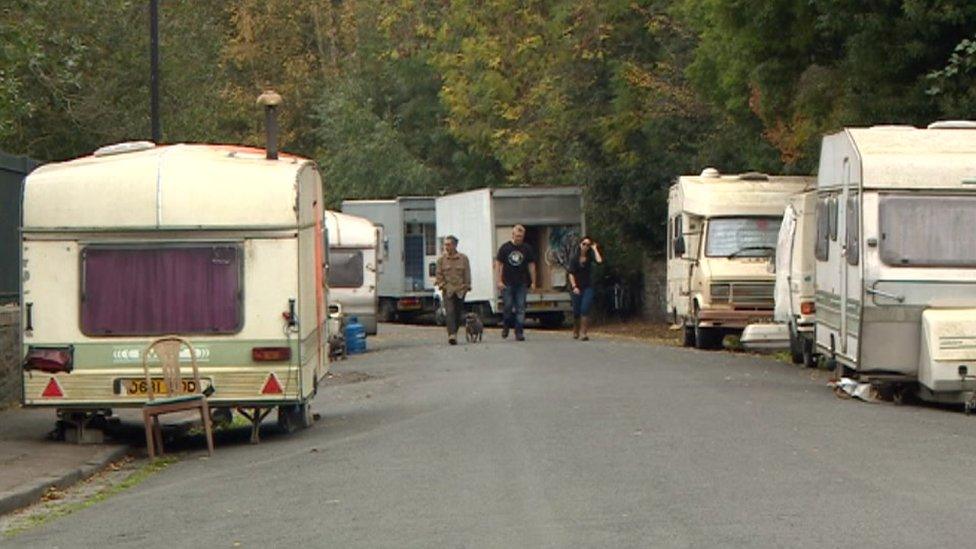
293,417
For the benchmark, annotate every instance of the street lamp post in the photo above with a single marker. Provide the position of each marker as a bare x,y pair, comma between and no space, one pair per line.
154,69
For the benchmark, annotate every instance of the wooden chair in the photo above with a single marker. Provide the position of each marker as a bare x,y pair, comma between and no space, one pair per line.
167,350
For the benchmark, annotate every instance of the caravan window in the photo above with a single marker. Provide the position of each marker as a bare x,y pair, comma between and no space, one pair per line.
161,290
742,236
822,247
345,268
832,217
928,231
853,226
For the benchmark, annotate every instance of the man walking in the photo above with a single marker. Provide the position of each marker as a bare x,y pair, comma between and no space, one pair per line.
514,276
453,277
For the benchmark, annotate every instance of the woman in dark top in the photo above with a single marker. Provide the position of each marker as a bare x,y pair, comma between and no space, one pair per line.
581,285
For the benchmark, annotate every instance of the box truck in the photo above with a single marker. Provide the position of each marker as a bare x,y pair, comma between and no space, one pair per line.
406,283
482,220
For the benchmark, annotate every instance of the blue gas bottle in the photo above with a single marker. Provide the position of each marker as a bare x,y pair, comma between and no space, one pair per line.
355,336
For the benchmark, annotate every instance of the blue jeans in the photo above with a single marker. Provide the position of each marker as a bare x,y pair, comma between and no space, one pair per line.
582,302
513,303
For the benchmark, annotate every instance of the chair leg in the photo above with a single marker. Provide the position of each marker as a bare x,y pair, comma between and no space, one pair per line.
150,435
207,427
158,434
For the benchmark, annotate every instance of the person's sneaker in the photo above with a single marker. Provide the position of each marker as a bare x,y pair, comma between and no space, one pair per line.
452,340
504,332
519,337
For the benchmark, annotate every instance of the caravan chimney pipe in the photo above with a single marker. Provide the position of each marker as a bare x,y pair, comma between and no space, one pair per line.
270,100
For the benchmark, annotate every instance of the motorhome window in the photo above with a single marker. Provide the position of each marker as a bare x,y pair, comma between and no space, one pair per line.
853,225
138,291
928,231
742,236
345,268
832,210
822,247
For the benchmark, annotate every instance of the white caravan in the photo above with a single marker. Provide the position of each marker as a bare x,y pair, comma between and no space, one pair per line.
482,220
896,257
722,230
795,270
406,283
354,260
216,243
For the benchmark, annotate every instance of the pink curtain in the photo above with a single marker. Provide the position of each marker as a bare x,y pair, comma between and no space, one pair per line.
176,290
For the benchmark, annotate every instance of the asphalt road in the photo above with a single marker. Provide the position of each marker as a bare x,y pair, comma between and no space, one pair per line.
556,443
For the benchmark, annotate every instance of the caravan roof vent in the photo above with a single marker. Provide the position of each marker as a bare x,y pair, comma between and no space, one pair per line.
754,176
126,147
710,172
953,125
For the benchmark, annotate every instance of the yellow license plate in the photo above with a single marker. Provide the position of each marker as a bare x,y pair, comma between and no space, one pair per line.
139,386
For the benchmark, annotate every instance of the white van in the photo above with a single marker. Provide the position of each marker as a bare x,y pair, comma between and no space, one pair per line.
215,243
354,260
795,270
721,233
896,257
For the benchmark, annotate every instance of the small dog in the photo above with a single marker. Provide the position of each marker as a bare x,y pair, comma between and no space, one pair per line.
473,327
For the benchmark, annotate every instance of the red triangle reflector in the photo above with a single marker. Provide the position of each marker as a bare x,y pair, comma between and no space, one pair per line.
271,386
53,389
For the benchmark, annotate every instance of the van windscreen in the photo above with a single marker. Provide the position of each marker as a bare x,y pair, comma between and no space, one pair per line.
928,231
345,268
140,291
742,236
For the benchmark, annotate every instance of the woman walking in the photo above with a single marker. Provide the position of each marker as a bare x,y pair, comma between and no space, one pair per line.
581,285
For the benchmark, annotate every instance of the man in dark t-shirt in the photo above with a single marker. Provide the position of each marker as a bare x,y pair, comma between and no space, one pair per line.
514,275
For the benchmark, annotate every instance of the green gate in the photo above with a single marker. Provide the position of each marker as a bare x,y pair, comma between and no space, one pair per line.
12,172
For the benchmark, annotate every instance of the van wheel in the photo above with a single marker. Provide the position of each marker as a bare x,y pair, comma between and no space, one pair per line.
386,312
552,320
708,338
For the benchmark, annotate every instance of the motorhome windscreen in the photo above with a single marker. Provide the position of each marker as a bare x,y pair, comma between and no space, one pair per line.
928,231
742,236
345,268
161,290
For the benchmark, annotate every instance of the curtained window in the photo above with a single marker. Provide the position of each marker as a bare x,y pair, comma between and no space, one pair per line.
162,290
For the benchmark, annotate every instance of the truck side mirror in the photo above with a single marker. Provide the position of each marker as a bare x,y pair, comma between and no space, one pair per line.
679,246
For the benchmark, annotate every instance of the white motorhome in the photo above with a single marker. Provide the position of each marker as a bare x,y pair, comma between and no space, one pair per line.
722,230
219,244
896,257
409,246
354,260
482,220
795,269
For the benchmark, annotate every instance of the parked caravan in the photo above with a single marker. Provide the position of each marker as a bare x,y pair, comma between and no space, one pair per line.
354,258
896,258
722,231
795,270
482,220
406,284
218,244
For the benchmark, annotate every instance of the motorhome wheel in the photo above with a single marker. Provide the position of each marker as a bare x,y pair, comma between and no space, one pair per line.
809,358
796,345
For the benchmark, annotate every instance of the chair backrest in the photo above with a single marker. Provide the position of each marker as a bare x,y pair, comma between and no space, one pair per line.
167,352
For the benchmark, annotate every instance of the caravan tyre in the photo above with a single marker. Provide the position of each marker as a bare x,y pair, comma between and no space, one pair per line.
293,417
687,336
809,358
796,345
